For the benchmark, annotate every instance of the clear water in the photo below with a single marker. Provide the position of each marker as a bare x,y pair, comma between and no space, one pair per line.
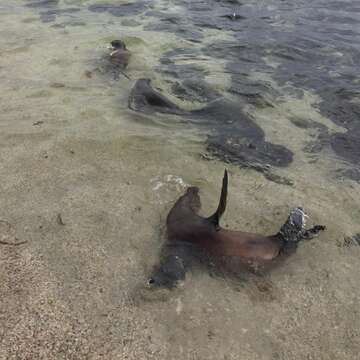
70,146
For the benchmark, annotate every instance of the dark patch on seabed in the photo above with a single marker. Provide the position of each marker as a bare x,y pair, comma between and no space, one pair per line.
234,137
126,9
50,15
42,3
339,94
131,8
237,139
194,90
49,10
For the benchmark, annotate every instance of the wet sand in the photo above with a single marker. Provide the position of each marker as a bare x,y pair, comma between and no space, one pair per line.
76,289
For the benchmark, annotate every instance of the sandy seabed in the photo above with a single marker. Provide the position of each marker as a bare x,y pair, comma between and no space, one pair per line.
75,289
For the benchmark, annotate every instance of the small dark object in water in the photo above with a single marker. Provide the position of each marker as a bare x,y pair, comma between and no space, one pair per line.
145,99
13,244
57,85
36,123
282,180
59,220
234,16
189,233
88,74
119,55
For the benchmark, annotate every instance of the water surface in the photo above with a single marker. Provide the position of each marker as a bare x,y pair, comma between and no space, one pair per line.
286,77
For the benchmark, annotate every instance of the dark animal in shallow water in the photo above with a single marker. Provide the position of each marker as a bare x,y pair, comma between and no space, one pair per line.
188,233
233,136
145,99
119,55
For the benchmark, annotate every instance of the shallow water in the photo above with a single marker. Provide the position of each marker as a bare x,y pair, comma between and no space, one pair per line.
286,72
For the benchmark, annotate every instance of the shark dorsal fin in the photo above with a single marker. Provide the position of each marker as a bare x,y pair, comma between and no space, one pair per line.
215,218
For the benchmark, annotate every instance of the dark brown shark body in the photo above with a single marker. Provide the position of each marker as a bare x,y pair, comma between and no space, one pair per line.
189,234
